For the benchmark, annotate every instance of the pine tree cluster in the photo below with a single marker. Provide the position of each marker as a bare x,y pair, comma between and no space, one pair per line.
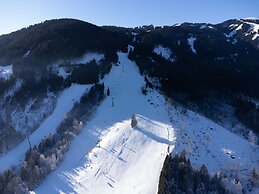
179,177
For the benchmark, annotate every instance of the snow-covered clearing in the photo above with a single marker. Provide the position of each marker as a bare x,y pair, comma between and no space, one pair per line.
88,57
6,72
191,41
64,104
164,52
109,156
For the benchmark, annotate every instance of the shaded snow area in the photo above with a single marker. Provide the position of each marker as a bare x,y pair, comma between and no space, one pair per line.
191,41
64,71
131,48
64,104
208,143
88,57
164,52
6,72
25,119
109,156
27,54
10,92
134,36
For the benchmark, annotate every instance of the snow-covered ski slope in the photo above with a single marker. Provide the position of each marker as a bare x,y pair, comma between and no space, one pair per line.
64,104
109,156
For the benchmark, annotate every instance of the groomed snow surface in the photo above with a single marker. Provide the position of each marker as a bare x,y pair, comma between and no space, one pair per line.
109,156
65,103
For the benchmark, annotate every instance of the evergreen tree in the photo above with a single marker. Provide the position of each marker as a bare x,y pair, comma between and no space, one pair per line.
108,91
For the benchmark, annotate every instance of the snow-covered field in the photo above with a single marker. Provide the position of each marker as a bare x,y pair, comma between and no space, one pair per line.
64,104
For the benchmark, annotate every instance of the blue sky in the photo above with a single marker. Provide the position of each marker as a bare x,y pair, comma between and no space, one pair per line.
16,14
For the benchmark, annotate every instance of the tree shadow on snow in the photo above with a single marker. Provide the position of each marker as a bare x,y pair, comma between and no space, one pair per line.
153,136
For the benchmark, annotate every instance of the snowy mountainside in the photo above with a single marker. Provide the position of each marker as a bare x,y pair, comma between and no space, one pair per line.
116,158
56,137
244,29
